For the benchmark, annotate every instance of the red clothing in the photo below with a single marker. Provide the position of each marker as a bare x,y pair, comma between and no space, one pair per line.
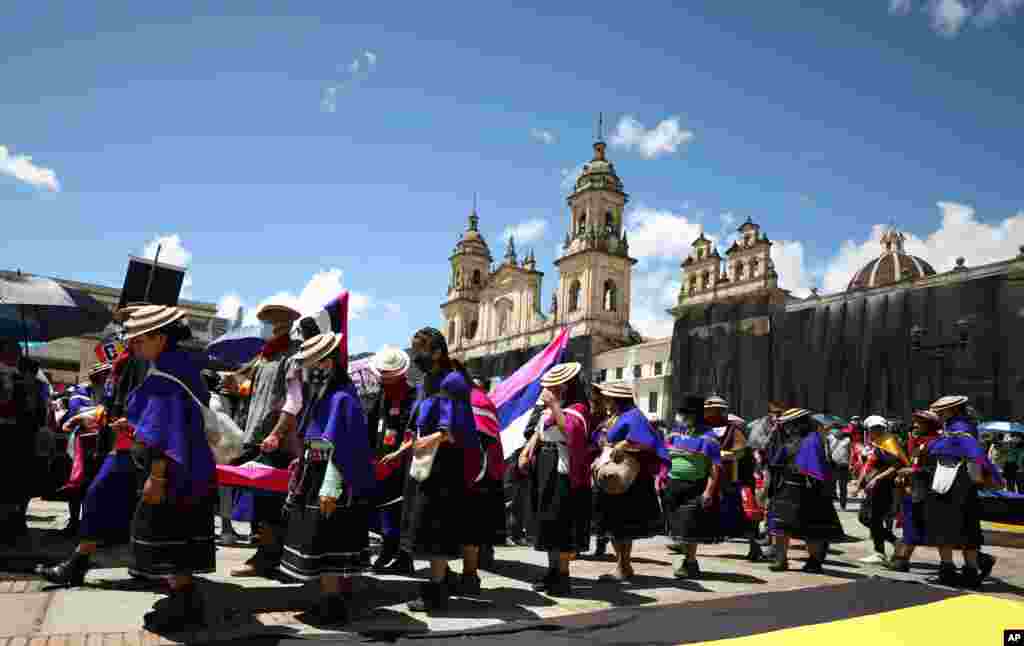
485,414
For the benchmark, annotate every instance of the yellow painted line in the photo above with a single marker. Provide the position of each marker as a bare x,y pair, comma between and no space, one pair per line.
969,619
1001,527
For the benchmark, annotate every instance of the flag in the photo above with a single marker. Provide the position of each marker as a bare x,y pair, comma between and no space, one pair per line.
108,349
334,318
516,396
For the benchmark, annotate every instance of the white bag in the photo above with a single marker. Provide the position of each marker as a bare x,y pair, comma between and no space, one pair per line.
422,463
945,476
222,434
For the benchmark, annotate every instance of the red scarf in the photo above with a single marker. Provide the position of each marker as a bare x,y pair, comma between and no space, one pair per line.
394,394
275,346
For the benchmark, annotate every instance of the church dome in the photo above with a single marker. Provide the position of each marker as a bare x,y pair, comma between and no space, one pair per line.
892,266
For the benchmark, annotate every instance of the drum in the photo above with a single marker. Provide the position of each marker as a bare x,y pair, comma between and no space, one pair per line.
615,478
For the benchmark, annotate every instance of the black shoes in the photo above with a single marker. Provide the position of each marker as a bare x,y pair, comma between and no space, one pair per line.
688,570
948,575
985,564
554,583
180,611
401,564
602,548
897,564
330,611
69,573
813,566
756,554
433,597
780,565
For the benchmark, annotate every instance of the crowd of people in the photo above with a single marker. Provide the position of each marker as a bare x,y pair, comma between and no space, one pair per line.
417,462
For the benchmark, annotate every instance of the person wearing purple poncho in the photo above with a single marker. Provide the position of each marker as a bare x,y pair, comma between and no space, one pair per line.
434,500
328,510
172,531
635,513
952,508
802,491
690,492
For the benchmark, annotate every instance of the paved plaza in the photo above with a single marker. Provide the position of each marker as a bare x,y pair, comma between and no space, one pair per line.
109,609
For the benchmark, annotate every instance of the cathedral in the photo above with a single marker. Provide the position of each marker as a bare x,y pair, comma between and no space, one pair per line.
493,317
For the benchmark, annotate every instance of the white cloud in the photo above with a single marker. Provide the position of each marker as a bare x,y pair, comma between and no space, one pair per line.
528,231
543,136
228,305
172,252
948,17
654,292
663,234
790,265
663,139
358,71
21,168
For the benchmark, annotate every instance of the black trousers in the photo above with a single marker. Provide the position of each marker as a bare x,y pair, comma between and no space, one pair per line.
881,501
842,478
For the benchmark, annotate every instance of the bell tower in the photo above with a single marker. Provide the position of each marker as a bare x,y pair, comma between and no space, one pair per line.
470,271
595,269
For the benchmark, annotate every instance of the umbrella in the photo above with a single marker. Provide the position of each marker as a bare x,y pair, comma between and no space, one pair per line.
240,345
828,420
1001,427
34,308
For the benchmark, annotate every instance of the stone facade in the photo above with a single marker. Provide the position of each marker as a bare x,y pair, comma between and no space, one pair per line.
746,273
495,308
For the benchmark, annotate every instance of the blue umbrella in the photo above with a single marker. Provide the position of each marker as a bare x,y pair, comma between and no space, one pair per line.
240,345
1001,427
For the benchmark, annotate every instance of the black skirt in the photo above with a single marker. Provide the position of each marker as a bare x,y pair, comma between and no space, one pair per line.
802,508
434,521
390,489
174,538
561,515
954,518
318,545
686,518
632,515
486,505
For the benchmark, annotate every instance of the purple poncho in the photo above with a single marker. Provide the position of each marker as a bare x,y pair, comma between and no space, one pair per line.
167,419
455,412
810,457
959,440
705,444
634,427
338,418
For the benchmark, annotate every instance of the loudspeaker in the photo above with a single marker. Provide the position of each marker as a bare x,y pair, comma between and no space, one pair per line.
164,289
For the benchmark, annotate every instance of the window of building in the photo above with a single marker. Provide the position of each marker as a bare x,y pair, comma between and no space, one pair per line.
471,329
476,277
652,402
739,270
503,309
638,372
451,332
574,296
609,222
618,373
601,376
659,368
610,296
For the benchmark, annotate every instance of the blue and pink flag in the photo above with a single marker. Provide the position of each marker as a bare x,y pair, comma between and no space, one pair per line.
516,396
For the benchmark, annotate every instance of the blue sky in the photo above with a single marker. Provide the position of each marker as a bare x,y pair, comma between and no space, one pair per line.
144,122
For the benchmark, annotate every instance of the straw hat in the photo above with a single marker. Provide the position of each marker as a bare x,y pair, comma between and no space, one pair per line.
99,369
929,417
151,318
876,420
716,402
560,374
947,402
319,347
777,408
793,414
616,391
277,313
122,314
389,362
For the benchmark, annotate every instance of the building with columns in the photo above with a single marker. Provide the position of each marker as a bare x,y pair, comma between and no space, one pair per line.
493,313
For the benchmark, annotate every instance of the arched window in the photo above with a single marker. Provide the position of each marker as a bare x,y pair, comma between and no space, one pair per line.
471,329
753,267
693,285
503,310
739,271
583,223
476,277
610,296
574,296
609,222
451,332
700,254
705,280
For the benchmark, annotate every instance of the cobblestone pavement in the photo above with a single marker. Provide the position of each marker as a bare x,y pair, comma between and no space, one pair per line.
109,608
